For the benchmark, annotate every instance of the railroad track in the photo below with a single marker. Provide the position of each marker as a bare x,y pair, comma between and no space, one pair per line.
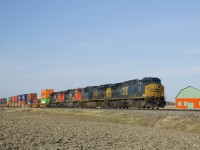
161,109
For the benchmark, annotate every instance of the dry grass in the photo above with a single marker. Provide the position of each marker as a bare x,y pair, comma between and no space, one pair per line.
98,129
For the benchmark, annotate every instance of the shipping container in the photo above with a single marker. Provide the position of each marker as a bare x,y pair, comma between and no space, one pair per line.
19,97
32,96
24,97
4,102
28,105
36,101
15,98
23,103
0,102
11,99
10,104
35,105
46,93
13,104
8,99
45,101
19,103
29,101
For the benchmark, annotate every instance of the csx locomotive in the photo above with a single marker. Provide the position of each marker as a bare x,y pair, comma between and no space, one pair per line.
145,93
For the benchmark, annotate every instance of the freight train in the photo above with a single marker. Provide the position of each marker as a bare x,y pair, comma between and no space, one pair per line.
145,93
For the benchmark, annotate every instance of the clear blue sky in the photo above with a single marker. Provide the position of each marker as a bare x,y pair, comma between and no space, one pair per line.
65,44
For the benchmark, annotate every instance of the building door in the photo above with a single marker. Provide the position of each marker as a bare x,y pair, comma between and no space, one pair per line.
190,105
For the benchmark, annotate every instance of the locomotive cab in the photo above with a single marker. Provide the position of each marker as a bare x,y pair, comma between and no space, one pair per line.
153,92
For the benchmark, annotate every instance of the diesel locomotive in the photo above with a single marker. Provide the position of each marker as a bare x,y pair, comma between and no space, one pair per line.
145,93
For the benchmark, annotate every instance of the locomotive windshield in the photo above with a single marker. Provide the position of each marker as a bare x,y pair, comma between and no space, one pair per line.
151,80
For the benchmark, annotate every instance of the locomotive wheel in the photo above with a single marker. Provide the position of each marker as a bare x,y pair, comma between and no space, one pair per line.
139,106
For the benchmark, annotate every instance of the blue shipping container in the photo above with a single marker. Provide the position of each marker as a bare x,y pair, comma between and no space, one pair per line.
4,101
29,101
24,97
20,97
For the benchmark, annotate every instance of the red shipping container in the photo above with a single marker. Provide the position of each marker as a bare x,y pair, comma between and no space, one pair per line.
36,101
12,99
32,96
15,99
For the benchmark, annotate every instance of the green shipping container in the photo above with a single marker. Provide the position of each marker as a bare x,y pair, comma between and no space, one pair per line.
8,99
45,101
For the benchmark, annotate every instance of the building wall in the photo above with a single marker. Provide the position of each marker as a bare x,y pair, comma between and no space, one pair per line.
188,103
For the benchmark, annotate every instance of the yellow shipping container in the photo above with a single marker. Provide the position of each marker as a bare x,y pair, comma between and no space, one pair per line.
46,93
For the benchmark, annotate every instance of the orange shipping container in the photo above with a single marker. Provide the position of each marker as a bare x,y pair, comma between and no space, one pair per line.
23,102
10,104
19,103
46,93
35,105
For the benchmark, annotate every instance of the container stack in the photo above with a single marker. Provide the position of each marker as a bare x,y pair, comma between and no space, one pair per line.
45,97
4,102
35,103
8,101
19,100
24,100
14,101
0,102
30,98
